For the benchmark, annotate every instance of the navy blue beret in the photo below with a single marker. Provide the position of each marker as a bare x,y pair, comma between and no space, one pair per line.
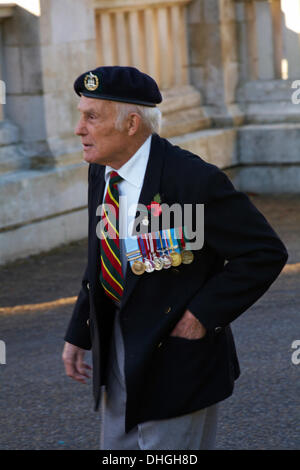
125,84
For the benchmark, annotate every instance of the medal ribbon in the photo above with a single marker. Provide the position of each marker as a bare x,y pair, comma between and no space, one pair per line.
177,238
153,239
171,241
161,243
145,241
142,247
133,255
181,240
166,241
153,246
173,247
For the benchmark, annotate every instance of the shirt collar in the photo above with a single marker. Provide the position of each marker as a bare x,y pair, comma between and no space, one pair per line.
133,171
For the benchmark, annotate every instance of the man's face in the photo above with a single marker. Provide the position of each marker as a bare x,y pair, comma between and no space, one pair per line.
102,143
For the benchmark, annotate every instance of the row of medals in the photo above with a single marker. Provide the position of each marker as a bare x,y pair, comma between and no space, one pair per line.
165,260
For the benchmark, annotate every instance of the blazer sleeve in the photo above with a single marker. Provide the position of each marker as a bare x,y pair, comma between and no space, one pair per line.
78,331
237,232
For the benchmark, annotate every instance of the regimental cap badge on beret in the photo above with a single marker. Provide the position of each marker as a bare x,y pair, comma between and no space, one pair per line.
118,83
91,81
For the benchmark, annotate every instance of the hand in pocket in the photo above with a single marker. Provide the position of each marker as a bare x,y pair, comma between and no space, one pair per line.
189,327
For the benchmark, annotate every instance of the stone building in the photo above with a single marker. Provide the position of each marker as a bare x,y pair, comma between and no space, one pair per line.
230,75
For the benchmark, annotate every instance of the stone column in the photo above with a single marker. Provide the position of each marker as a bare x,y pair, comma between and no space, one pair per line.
44,204
2,82
10,157
152,35
43,55
214,58
269,51
24,85
67,49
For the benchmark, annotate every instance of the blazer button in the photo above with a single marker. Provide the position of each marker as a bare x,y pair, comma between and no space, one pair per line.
88,286
168,310
88,322
218,329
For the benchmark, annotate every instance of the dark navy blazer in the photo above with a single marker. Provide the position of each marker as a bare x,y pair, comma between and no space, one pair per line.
167,376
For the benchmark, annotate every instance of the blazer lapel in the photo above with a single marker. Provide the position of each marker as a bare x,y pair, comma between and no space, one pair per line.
151,186
97,191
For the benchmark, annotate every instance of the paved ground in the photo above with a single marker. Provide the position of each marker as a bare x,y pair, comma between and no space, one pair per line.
40,408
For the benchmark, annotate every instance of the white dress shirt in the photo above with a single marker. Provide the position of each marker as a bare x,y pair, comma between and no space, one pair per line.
133,173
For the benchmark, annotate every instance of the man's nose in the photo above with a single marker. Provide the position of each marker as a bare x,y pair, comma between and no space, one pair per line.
80,128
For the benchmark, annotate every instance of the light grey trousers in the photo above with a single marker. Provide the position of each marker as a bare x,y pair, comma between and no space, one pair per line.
193,431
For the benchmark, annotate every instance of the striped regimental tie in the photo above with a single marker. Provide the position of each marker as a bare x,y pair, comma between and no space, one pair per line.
111,275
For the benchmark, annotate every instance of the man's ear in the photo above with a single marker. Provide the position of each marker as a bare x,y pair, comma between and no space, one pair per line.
133,123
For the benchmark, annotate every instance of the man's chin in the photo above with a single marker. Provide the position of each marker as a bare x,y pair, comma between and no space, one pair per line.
91,157
88,156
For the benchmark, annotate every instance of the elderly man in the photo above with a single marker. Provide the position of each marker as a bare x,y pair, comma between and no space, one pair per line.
157,317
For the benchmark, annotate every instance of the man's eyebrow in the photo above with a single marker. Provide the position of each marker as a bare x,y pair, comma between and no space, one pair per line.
87,110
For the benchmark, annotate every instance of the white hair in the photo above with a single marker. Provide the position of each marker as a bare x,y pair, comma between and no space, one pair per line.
151,117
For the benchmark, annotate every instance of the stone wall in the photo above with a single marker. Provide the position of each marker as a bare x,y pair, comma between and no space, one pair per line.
225,68
42,176
269,64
